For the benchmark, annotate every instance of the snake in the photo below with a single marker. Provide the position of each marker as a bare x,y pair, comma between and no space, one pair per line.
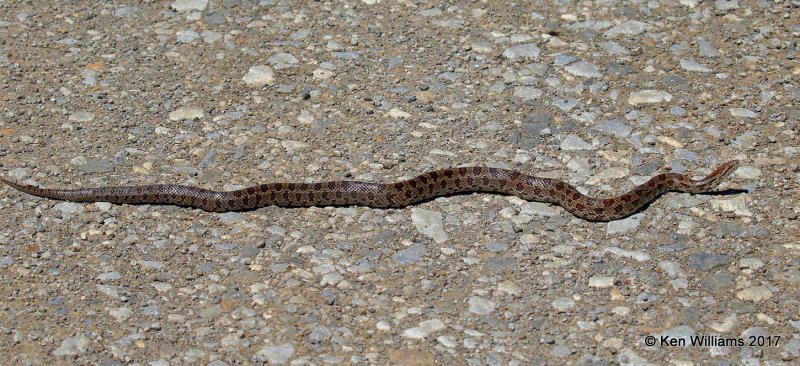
400,194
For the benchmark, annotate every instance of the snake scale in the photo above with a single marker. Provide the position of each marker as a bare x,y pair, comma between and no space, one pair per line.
394,195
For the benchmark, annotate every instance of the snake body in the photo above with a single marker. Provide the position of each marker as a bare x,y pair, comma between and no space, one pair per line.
394,195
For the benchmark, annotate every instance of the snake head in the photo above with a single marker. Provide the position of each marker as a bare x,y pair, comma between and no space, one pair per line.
713,179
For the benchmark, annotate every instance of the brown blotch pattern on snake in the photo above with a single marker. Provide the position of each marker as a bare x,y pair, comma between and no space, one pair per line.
399,194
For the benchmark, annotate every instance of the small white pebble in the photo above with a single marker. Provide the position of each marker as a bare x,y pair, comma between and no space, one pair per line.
601,281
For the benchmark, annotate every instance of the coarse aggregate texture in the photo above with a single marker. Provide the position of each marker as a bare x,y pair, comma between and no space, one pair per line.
224,94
